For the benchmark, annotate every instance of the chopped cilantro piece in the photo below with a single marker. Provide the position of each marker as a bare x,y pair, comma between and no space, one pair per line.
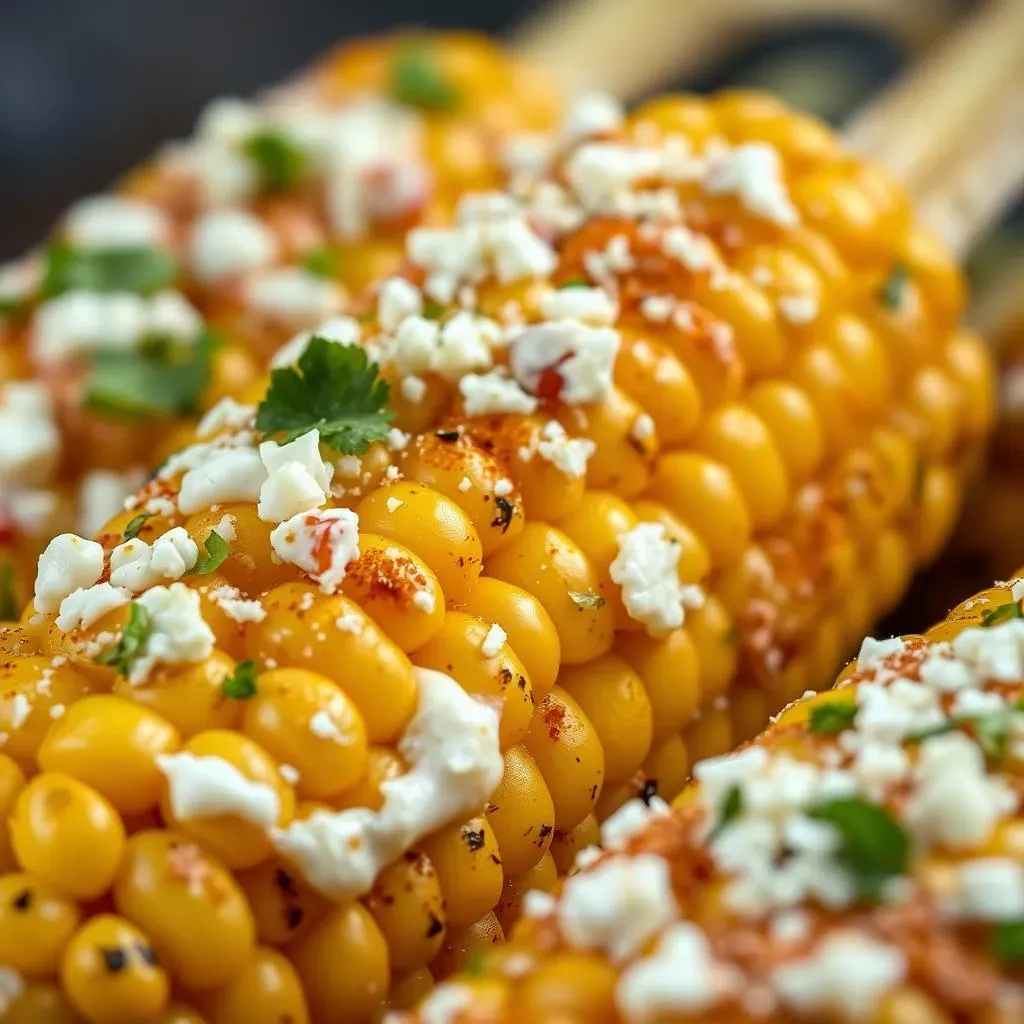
135,525
158,378
11,309
334,389
1001,613
732,808
217,549
8,602
574,282
891,293
834,717
323,261
475,964
433,310
241,685
417,80
139,269
122,655
873,845
587,599
1007,943
280,161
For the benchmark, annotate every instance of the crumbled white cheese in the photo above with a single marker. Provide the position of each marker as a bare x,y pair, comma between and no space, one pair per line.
582,356
568,454
178,633
394,504
590,305
298,479
591,114
754,173
224,477
630,820
799,309
230,601
226,528
874,652
323,727
83,607
293,295
28,456
398,300
425,601
67,564
342,330
20,710
445,1004
455,763
229,242
601,173
494,394
12,985
503,488
137,566
413,389
321,543
115,222
102,495
209,787
493,641
990,889
460,346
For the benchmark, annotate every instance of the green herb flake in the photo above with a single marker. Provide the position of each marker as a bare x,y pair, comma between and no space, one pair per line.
893,289
280,161
138,269
1007,942
433,310
8,600
475,964
158,378
334,389
873,846
417,80
241,685
834,717
587,599
574,282
122,655
1001,613
323,261
217,549
732,808
135,525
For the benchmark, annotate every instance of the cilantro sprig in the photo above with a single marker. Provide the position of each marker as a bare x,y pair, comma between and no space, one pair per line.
833,717
280,161
990,732
334,389
322,261
1001,613
242,684
135,526
1007,942
121,656
417,80
217,549
138,269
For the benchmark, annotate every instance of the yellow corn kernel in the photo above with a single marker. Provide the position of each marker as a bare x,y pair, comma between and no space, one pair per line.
113,746
969,364
347,935
410,989
789,415
531,633
694,560
468,864
304,720
710,735
111,973
464,947
566,749
283,905
42,1003
614,700
544,562
36,921
67,834
712,631
460,649
521,813
334,637
936,515
571,986
12,781
432,526
409,906
239,843
266,991
678,114
566,844
668,767
543,876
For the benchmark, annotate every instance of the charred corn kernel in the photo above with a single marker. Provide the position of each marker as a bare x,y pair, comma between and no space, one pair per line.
304,720
668,767
565,747
266,991
189,905
468,864
36,921
112,974
566,844
113,746
347,935
12,781
336,638
466,946
521,813
544,562
282,903
67,834
543,876
614,700
530,630
408,904
238,842
41,1003
432,526
462,649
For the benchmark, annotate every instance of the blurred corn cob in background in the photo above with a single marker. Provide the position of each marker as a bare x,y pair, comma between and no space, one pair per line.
150,304
669,423
860,861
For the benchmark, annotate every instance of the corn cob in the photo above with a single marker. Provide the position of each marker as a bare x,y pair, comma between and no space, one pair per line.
667,424
227,245
861,860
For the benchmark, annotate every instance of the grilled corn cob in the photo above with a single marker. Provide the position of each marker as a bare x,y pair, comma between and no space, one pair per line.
650,438
156,301
861,860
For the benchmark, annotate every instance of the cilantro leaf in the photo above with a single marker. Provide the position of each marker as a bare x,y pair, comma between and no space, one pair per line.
8,601
417,80
280,161
11,309
433,310
217,549
334,389
136,632
135,525
155,379
732,808
834,717
1001,613
587,599
322,261
241,685
873,846
891,293
139,269
1007,942
574,282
